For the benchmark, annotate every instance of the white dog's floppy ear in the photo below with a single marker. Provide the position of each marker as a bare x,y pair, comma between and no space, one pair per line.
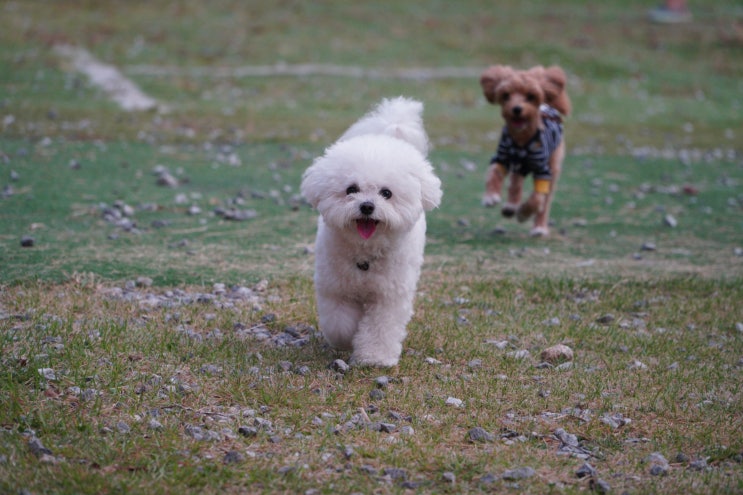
312,186
430,187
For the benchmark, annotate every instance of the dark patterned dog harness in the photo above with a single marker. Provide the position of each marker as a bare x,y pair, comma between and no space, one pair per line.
533,158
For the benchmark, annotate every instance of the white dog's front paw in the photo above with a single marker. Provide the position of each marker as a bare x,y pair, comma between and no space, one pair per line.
491,199
539,232
374,361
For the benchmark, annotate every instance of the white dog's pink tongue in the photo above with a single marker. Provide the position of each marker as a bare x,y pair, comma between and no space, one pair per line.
366,227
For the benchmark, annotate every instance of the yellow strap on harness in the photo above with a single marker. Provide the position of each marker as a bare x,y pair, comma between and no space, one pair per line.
542,186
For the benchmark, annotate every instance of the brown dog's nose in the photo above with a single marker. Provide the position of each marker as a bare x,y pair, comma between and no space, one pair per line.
366,208
517,111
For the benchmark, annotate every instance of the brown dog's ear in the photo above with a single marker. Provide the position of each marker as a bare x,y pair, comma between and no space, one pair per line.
490,79
553,82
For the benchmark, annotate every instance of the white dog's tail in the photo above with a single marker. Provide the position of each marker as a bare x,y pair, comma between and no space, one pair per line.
397,117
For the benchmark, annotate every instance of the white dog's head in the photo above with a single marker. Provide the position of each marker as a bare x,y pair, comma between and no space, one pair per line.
371,183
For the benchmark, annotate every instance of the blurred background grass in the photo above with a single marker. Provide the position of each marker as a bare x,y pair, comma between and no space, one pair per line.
657,105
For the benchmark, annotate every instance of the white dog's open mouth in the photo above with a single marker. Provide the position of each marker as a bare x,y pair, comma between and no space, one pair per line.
366,227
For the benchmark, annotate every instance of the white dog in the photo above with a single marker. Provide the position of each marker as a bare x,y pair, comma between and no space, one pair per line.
372,188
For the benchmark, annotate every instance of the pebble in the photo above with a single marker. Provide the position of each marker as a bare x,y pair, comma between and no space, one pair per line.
637,365
599,486
47,373
557,354
480,435
382,381
522,354
37,448
395,473
376,394
340,366
475,363
233,456
658,464
518,473
670,221
615,420
605,319
586,470
155,425
453,401
648,246
247,431
449,477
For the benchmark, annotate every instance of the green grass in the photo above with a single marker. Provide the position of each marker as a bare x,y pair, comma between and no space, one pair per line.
656,108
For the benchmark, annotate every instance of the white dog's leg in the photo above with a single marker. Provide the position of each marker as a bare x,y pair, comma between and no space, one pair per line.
338,321
381,332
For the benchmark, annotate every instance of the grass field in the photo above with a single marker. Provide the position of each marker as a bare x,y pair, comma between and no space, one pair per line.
151,342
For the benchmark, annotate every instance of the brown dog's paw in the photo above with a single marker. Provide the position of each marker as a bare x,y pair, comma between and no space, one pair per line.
508,210
491,199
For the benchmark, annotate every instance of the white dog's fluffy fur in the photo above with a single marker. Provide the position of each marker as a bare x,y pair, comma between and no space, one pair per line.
372,188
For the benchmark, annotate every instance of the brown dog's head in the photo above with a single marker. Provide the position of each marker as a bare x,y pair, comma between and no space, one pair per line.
520,93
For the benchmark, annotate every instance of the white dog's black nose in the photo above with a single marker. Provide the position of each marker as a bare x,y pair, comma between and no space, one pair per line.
366,208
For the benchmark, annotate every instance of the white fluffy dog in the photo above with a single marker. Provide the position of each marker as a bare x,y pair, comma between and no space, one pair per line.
372,188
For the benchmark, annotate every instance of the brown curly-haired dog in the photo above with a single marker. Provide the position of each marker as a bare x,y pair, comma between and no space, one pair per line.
532,103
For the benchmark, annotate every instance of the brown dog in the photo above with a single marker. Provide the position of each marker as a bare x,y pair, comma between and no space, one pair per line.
533,103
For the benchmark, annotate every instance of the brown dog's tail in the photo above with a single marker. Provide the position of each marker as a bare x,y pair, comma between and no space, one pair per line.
554,82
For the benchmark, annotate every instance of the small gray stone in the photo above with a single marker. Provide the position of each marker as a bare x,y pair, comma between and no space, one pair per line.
395,473
488,479
449,477
658,470
302,370
387,427
247,431
475,363
382,381
480,435
670,221
47,373
648,246
376,394
599,486
233,457
340,366
586,470
658,464
519,473
605,319
123,428
37,448
348,452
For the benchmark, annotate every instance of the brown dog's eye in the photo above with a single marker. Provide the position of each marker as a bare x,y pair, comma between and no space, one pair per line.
531,97
504,97
385,193
352,189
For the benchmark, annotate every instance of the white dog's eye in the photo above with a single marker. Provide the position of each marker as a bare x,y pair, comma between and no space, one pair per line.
352,189
385,193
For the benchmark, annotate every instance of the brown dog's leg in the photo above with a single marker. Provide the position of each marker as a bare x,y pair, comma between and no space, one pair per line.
494,184
514,195
541,221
